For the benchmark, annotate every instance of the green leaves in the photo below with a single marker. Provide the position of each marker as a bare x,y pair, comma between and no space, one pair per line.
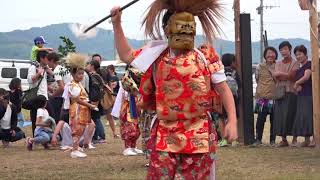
67,47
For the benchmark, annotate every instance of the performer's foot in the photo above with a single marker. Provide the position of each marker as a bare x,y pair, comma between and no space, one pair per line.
77,154
223,143
129,152
138,151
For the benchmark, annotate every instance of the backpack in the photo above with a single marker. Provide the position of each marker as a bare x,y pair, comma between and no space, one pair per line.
96,88
231,81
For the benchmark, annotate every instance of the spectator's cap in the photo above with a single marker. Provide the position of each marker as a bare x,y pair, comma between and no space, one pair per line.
39,40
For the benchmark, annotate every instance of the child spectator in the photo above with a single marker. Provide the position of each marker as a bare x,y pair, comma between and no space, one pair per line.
44,126
233,81
15,98
9,132
38,46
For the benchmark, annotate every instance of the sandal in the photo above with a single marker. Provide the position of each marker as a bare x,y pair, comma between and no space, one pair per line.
283,144
312,144
116,136
305,144
294,144
29,144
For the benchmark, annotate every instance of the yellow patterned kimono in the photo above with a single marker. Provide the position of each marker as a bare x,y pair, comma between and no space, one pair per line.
79,114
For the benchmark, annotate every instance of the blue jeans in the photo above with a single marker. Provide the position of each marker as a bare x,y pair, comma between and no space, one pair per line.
99,132
42,135
20,118
6,135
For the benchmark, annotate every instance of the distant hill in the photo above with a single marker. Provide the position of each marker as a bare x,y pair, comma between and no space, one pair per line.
17,44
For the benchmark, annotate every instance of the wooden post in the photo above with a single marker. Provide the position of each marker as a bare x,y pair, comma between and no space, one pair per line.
315,69
236,8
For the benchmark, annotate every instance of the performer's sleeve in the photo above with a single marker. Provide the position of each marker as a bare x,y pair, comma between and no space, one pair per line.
74,91
215,65
135,53
147,91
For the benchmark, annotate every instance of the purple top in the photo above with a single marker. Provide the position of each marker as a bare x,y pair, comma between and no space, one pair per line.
306,86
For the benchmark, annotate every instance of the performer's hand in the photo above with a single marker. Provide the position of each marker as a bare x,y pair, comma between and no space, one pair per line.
116,15
231,131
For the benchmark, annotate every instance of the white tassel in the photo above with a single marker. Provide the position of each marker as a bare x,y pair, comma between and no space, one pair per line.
78,30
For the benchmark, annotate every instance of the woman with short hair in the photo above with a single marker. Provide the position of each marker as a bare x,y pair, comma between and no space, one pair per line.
303,124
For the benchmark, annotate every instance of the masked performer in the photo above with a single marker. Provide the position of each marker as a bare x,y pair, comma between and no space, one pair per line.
181,83
126,110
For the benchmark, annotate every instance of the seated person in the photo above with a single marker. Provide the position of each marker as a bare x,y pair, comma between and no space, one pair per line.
45,126
9,132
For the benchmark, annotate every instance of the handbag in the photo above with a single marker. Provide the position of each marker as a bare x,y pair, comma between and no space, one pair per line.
30,96
108,99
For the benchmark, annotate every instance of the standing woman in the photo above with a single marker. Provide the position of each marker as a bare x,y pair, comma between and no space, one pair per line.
264,93
113,83
286,100
303,124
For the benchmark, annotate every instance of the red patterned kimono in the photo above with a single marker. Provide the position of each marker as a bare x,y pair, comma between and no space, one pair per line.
129,127
183,139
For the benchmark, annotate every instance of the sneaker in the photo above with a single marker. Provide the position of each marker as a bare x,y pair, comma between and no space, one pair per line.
102,141
272,143
138,151
257,143
129,152
63,148
77,154
80,149
89,146
223,143
234,143
29,144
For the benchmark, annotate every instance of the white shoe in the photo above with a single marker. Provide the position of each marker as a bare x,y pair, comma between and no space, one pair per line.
90,146
80,149
138,151
77,154
129,152
63,148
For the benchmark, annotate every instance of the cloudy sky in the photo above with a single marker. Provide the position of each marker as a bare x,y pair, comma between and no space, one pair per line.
284,21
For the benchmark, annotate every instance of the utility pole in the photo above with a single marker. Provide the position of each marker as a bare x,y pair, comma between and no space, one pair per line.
260,10
315,69
236,8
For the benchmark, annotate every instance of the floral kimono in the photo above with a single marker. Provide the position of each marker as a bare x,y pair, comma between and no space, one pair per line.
180,90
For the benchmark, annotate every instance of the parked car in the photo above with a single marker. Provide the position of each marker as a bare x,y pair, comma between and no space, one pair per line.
120,67
14,68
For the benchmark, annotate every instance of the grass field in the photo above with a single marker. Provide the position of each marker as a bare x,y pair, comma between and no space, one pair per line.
107,162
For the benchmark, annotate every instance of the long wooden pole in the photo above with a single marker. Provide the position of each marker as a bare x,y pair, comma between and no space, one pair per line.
315,70
236,8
